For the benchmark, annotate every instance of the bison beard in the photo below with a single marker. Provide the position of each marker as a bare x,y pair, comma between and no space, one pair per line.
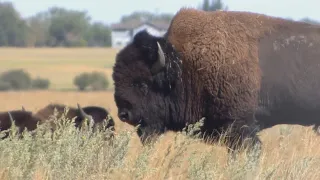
229,67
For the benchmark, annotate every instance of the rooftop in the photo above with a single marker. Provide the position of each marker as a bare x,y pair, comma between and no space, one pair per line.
161,25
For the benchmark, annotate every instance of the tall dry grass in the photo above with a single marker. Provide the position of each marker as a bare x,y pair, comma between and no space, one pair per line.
73,154
288,152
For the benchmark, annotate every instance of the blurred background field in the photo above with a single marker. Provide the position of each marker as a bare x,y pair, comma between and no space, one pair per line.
61,40
59,65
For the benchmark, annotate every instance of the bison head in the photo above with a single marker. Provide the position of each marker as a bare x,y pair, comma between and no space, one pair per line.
96,115
146,76
22,119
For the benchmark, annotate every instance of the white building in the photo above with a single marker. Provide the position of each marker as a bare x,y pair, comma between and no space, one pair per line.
123,33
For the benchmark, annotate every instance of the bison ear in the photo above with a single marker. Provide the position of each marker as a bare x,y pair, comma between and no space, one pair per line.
160,61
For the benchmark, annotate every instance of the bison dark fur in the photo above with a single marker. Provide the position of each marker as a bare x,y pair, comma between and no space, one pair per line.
99,115
21,118
48,111
229,67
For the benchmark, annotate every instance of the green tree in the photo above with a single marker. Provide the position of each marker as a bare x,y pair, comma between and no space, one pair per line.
82,81
99,35
98,81
146,16
18,79
5,86
213,5
13,29
95,80
216,5
67,27
206,5
40,83
39,29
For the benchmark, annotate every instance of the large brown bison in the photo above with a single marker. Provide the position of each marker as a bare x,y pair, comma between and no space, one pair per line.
97,115
228,67
21,118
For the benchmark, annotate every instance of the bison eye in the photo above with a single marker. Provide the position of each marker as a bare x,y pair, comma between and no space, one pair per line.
141,86
144,88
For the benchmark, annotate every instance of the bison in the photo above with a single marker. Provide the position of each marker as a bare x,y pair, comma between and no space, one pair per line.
95,114
21,118
98,114
232,68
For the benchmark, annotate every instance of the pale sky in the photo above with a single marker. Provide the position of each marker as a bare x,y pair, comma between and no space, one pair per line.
110,11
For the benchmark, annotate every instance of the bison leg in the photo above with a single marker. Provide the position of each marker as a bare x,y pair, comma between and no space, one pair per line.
316,129
149,134
245,137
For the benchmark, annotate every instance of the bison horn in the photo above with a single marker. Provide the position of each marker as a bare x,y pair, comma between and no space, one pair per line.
161,61
23,109
10,116
84,114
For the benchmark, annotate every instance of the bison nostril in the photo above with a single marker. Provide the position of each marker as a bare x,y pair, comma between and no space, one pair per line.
124,116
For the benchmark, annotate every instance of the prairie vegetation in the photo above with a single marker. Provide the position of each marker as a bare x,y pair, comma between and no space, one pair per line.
289,152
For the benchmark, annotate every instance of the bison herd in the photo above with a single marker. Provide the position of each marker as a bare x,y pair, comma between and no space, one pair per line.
28,120
237,70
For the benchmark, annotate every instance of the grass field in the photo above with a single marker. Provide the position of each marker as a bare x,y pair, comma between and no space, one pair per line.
289,152
60,65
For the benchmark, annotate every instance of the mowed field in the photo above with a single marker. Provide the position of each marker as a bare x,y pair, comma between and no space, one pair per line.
289,152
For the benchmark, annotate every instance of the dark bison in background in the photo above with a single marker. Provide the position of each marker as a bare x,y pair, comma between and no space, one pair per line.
97,115
21,118
229,67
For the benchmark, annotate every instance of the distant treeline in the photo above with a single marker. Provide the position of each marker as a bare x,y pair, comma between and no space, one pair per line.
58,26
